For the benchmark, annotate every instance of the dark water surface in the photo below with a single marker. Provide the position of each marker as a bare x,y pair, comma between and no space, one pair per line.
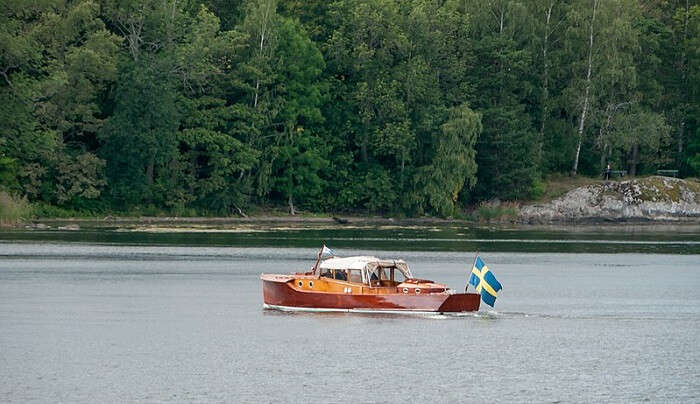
158,320
673,239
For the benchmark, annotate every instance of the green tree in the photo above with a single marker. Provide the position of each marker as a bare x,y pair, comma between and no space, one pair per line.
453,168
611,103
507,151
213,155
57,60
397,70
138,142
299,93
686,28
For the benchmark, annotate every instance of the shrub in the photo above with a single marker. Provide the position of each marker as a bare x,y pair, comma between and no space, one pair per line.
46,210
12,209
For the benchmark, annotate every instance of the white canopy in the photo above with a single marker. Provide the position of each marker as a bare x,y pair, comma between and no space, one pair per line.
347,263
365,264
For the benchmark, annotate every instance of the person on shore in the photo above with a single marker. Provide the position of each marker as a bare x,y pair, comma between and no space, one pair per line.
607,172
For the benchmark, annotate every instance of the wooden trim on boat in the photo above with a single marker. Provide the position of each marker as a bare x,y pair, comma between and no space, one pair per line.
328,294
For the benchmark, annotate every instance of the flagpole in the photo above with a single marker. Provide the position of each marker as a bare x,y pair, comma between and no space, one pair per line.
470,271
318,259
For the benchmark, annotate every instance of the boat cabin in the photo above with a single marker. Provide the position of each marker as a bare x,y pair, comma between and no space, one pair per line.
370,271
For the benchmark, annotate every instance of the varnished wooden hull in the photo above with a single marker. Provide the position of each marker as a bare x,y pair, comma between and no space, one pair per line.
284,296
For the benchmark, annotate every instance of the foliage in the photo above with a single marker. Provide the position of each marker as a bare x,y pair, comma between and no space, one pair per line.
139,140
498,212
381,106
453,168
12,209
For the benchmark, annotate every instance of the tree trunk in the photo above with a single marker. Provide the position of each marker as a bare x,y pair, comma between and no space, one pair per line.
363,144
582,121
263,31
257,88
684,68
680,141
133,37
150,171
403,166
545,76
292,211
503,12
603,156
635,159
290,178
257,81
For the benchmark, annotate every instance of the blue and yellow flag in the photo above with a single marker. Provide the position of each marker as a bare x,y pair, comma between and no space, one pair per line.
484,282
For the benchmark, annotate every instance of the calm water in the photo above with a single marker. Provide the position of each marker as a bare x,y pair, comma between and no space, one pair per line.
149,319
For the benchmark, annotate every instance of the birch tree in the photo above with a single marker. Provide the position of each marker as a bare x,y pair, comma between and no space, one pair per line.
261,21
549,19
585,100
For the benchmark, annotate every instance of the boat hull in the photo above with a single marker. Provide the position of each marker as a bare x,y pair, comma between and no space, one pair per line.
283,296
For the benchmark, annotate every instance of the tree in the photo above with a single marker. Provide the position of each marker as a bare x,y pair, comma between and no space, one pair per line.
453,168
586,84
56,60
213,154
686,27
409,107
299,94
607,95
139,140
507,150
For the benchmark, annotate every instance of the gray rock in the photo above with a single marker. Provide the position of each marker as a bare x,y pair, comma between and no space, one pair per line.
652,198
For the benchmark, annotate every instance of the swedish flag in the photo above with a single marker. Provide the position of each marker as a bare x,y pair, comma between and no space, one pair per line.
484,282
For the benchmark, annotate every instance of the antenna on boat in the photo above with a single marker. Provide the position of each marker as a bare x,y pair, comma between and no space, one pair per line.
470,271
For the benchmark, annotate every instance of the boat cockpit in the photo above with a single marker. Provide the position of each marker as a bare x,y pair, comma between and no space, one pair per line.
369,271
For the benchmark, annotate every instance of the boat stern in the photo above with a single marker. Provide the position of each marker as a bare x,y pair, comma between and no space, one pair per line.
460,302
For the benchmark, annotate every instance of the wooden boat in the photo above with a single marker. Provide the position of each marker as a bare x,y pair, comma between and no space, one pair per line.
362,284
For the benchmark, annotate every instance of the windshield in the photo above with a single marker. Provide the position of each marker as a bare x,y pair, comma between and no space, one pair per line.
398,276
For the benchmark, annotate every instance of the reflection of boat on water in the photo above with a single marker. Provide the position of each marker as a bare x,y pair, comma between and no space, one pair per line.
362,284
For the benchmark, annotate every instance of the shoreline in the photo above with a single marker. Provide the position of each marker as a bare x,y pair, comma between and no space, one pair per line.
202,223
647,201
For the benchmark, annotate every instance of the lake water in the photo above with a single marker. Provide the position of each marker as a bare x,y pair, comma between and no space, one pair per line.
107,316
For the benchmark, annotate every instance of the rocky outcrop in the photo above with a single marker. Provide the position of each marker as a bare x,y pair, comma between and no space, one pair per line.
647,199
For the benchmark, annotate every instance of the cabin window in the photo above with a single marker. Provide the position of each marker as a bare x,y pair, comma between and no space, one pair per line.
340,275
379,274
355,276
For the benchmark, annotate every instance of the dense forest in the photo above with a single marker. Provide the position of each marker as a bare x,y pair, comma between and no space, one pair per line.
390,106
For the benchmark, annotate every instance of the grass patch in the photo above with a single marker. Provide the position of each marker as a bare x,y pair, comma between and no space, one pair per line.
556,185
498,212
13,210
654,189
